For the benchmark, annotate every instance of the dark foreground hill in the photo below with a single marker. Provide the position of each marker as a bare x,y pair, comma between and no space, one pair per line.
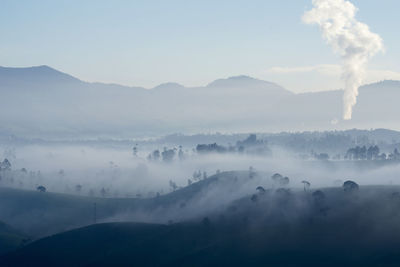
274,227
10,238
206,244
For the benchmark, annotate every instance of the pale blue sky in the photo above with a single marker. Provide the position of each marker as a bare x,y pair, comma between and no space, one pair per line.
145,43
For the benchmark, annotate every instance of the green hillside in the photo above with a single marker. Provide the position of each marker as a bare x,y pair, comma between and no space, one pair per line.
324,227
11,239
41,214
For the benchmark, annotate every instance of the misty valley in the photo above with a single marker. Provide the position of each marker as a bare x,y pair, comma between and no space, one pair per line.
327,198
199,133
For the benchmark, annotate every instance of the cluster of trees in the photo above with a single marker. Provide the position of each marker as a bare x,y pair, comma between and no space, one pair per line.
370,153
23,178
5,170
5,165
321,156
318,196
197,176
358,153
394,155
212,148
250,145
279,180
7,176
167,155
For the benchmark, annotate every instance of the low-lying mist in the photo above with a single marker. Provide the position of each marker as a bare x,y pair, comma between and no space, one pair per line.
57,187
86,170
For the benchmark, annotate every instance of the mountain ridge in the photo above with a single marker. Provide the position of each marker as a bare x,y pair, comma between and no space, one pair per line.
232,81
64,105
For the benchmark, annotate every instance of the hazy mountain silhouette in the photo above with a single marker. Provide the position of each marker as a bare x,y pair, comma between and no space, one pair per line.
34,75
43,101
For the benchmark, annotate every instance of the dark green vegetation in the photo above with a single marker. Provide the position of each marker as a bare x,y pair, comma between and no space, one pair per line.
328,228
273,225
10,239
44,213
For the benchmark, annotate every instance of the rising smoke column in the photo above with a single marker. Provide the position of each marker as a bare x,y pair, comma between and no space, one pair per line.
351,39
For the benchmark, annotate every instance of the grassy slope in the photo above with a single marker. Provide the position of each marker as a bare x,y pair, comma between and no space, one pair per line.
345,229
40,214
10,238
127,244
112,244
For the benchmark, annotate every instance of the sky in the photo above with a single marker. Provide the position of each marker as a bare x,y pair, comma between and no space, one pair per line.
146,43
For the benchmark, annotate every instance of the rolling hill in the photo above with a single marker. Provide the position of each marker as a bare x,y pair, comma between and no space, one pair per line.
41,214
328,227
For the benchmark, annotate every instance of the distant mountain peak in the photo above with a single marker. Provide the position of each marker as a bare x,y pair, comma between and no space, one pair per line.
35,74
238,80
169,85
241,77
389,83
243,81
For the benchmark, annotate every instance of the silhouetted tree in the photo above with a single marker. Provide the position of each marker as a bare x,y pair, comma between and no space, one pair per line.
5,165
306,185
173,185
372,153
284,181
203,148
360,153
260,189
197,175
350,186
135,150
254,198
276,177
156,155
41,188
168,155
181,154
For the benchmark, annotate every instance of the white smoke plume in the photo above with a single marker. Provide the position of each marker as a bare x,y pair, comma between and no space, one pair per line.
351,39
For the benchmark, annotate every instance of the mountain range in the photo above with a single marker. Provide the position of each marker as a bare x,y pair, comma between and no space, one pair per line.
41,101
